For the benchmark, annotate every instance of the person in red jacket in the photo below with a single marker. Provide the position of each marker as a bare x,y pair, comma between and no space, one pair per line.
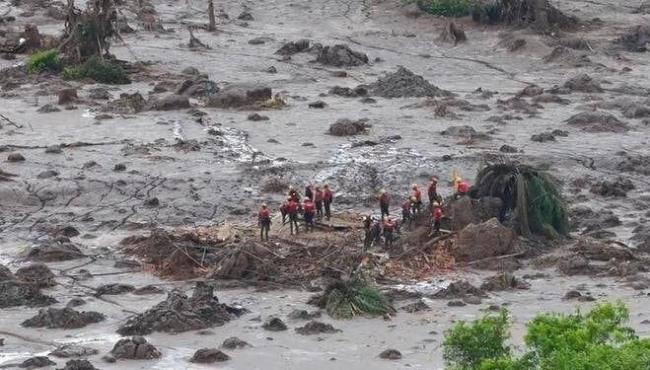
417,202
436,215
264,220
328,198
293,194
406,212
432,192
309,211
389,228
462,189
384,203
318,201
292,211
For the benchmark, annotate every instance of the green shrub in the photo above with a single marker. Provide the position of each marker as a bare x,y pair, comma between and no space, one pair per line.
47,60
595,341
446,8
346,299
98,70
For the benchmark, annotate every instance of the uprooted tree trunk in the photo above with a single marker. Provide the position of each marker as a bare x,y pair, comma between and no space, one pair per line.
87,33
538,14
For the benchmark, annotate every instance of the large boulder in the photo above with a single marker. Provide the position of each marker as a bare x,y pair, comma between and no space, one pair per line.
178,313
14,293
54,252
37,274
239,96
136,348
346,127
480,241
63,318
169,102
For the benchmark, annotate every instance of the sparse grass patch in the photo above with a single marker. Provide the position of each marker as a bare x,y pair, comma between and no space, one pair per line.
47,60
99,70
445,8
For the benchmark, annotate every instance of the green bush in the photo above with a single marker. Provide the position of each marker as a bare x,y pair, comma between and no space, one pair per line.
98,70
446,8
346,299
47,60
595,341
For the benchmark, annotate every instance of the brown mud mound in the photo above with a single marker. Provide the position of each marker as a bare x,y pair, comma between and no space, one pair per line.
488,239
459,289
234,343
14,293
79,365
583,83
36,362
347,127
73,350
55,251
275,324
615,188
304,315
209,356
405,84
178,313
169,102
294,47
316,327
603,251
341,56
126,104
505,281
63,318
635,39
199,87
240,96
136,348
597,122
37,274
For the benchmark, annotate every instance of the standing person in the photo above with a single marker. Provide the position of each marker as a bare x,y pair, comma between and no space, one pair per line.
292,211
406,212
309,210
328,198
264,220
436,215
284,211
309,193
384,203
417,194
318,200
293,194
432,192
462,189
375,232
367,240
389,228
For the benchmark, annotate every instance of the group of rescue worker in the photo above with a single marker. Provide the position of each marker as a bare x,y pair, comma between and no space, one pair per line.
316,200
317,203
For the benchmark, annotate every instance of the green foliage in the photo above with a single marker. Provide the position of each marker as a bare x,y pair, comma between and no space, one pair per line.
445,8
466,346
47,60
490,13
531,195
350,298
98,70
595,341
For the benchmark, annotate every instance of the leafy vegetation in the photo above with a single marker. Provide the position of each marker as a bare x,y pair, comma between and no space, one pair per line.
597,340
98,70
346,299
445,8
47,60
531,195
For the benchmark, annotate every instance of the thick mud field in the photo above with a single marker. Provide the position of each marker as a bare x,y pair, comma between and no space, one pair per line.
369,97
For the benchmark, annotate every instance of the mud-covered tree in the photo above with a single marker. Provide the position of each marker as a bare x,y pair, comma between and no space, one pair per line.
540,15
87,33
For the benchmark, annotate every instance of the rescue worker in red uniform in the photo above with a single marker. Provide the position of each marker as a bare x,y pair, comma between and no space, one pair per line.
328,198
264,220
283,211
432,192
417,202
462,190
292,211
318,201
293,194
406,212
384,203
389,228
436,215
309,211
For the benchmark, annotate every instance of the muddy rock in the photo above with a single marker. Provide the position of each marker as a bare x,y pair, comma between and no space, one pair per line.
505,148
239,96
418,306
5,273
37,362
15,157
37,274
575,265
464,131
63,318
459,289
234,343
531,90
15,293
635,39
275,324
576,295
346,127
543,137
349,92
488,239
178,313
583,83
126,104
148,289
79,365
256,117
391,354
318,104
505,281
304,315
405,84
75,302
198,88
113,289
47,174
48,108
245,16
70,350
54,252
597,121
294,47
614,188
341,56
99,93
208,356
135,348
316,327
67,96
169,102
602,251
120,167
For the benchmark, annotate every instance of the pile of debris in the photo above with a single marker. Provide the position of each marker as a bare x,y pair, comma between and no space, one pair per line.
405,84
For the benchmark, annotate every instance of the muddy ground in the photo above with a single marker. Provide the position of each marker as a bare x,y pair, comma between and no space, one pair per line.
214,169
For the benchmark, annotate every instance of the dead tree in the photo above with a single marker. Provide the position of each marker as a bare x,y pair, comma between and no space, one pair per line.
87,33
212,26
540,15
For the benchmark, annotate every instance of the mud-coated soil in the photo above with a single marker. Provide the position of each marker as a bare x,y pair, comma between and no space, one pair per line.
114,167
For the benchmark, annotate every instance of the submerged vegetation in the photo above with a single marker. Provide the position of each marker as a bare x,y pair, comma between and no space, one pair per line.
596,340
99,70
345,299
